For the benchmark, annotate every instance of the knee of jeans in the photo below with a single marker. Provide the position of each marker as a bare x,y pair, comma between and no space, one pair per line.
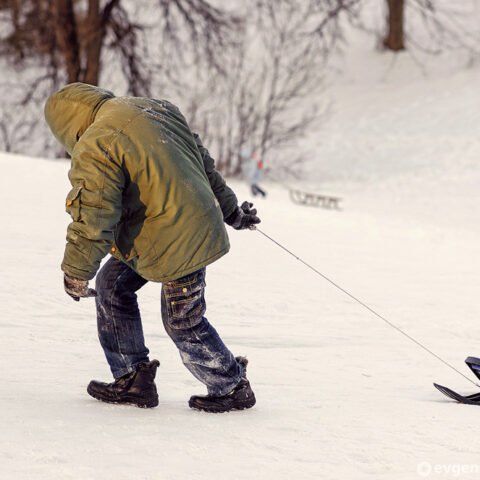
107,291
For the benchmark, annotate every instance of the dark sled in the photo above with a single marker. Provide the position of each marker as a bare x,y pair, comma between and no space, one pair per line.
315,200
474,399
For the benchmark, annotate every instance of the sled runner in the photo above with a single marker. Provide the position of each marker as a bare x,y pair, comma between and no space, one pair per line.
474,399
314,199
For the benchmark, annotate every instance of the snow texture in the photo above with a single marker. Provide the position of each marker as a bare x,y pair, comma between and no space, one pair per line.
340,394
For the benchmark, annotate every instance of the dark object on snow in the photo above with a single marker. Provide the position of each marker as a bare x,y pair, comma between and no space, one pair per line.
77,288
468,399
474,364
314,199
240,398
243,217
256,190
474,399
136,388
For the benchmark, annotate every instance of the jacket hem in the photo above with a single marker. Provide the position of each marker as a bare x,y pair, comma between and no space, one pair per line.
183,273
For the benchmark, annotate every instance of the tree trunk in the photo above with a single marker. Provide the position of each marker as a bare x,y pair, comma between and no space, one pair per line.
395,36
66,33
93,42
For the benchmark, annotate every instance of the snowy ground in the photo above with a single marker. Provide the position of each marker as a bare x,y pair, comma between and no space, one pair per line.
340,394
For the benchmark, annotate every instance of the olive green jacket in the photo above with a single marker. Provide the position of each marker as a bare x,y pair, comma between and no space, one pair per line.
143,186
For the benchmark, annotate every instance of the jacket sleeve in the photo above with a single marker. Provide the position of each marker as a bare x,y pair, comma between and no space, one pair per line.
95,205
226,197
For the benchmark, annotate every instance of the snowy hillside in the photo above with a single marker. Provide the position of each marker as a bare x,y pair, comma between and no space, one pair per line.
340,394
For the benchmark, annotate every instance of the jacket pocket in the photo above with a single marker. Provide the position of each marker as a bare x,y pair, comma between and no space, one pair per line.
72,203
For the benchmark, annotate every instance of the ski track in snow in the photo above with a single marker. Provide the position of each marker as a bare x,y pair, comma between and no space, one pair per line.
340,394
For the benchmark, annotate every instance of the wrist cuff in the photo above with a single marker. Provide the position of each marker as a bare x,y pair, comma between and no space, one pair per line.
231,218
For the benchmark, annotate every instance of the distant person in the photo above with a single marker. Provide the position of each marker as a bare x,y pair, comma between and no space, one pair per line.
254,171
146,190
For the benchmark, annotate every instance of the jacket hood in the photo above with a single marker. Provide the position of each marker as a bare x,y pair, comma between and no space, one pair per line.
71,110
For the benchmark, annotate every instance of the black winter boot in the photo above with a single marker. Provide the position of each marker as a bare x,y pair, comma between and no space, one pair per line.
239,398
136,388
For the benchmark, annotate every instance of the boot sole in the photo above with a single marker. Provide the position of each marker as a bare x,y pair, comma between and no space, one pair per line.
126,400
218,409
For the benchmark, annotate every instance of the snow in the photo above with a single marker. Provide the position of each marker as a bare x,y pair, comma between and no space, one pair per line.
340,394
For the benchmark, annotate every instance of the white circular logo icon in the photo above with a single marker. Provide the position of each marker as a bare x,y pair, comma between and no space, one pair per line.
424,469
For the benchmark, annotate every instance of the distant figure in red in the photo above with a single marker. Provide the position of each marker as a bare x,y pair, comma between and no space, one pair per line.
254,171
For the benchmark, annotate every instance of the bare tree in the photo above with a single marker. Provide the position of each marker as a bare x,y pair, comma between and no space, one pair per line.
52,42
328,19
14,130
209,30
61,35
394,39
435,26
269,100
262,75
428,25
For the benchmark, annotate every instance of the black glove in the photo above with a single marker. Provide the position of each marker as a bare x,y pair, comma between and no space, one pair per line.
243,217
77,288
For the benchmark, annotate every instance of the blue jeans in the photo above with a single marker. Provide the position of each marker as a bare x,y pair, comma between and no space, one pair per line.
183,307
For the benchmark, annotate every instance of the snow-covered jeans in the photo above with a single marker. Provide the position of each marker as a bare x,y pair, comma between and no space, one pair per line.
183,308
